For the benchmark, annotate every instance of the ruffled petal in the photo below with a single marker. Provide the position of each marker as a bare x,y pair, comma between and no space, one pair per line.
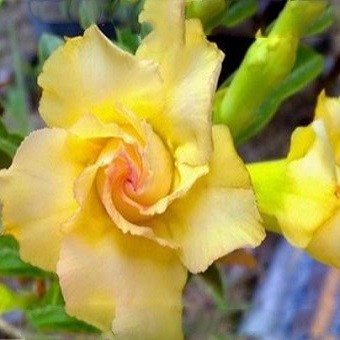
126,283
325,242
37,192
309,196
219,213
165,33
90,74
328,109
190,66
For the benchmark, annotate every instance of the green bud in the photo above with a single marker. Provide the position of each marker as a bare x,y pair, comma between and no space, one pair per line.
266,65
204,10
298,16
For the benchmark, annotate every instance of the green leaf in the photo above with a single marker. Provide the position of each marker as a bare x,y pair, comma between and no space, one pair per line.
48,43
54,318
10,262
238,11
308,66
8,142
128,40
53,295
322,23
213,281
17,103
111,8
89,13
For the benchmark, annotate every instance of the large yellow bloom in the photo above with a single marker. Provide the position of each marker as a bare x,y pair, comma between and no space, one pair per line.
300,195
130,185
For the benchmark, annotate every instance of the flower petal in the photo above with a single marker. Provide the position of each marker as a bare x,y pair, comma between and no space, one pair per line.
37,192
165,33
90,74
325,242
106,275
190,67
219,214
308,199
328,109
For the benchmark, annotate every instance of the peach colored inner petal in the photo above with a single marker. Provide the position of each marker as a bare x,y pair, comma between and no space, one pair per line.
121,175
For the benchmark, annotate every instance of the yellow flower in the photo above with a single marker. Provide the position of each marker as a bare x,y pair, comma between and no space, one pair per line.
299,196
130,185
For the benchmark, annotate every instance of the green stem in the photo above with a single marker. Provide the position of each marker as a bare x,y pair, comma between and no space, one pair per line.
268,182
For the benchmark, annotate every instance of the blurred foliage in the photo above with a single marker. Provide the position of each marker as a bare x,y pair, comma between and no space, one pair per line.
17,108
323,22
10,300
45,310
48,43
214,13
239,11
214,283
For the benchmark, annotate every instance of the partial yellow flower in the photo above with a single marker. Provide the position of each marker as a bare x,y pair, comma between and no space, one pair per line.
299,196
130,185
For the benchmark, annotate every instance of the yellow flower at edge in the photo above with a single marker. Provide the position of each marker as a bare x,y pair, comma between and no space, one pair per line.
130,185
300,196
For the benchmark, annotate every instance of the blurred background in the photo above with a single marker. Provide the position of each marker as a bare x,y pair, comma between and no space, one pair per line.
274,292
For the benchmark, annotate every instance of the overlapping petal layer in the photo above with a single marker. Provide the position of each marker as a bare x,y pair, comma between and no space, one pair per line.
107,275
328,109
96,76
324,245
189,66
37,192
310,185
219,214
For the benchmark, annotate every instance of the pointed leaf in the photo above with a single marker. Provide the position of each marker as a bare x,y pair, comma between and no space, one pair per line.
54,318
238,11
213,281
8,142
10,262
322,23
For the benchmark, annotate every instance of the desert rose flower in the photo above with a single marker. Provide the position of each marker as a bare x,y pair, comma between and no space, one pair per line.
130,186
300,196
